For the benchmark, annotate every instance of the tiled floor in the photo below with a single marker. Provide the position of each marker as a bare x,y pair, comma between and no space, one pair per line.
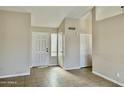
57,77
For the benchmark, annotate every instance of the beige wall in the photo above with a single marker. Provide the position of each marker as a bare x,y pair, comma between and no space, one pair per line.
70,57
43,29
14,43
53,60
108,47
86,24
72,44
85,27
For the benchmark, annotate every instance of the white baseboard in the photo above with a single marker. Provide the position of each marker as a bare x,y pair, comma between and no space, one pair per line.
42,66
15,75
105,77
52,64
71,68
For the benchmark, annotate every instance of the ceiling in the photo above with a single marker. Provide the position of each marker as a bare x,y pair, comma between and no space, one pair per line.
49,16
103,12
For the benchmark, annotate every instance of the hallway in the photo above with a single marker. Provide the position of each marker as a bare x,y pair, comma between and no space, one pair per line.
57,77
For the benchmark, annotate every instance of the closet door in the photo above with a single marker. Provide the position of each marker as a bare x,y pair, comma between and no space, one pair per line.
85,50
60,48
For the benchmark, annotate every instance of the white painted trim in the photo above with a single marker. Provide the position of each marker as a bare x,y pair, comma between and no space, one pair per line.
15,75
71,68
85,66
42,66
53,65
105,77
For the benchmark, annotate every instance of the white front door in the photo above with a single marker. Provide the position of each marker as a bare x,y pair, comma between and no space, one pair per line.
40,49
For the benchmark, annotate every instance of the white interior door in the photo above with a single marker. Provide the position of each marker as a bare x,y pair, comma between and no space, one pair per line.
60,48
85,50
40,49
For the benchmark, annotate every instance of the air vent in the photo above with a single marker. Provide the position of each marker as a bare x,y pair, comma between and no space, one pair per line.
71,28
122,6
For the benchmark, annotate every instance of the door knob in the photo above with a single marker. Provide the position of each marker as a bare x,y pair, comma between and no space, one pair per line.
46,49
